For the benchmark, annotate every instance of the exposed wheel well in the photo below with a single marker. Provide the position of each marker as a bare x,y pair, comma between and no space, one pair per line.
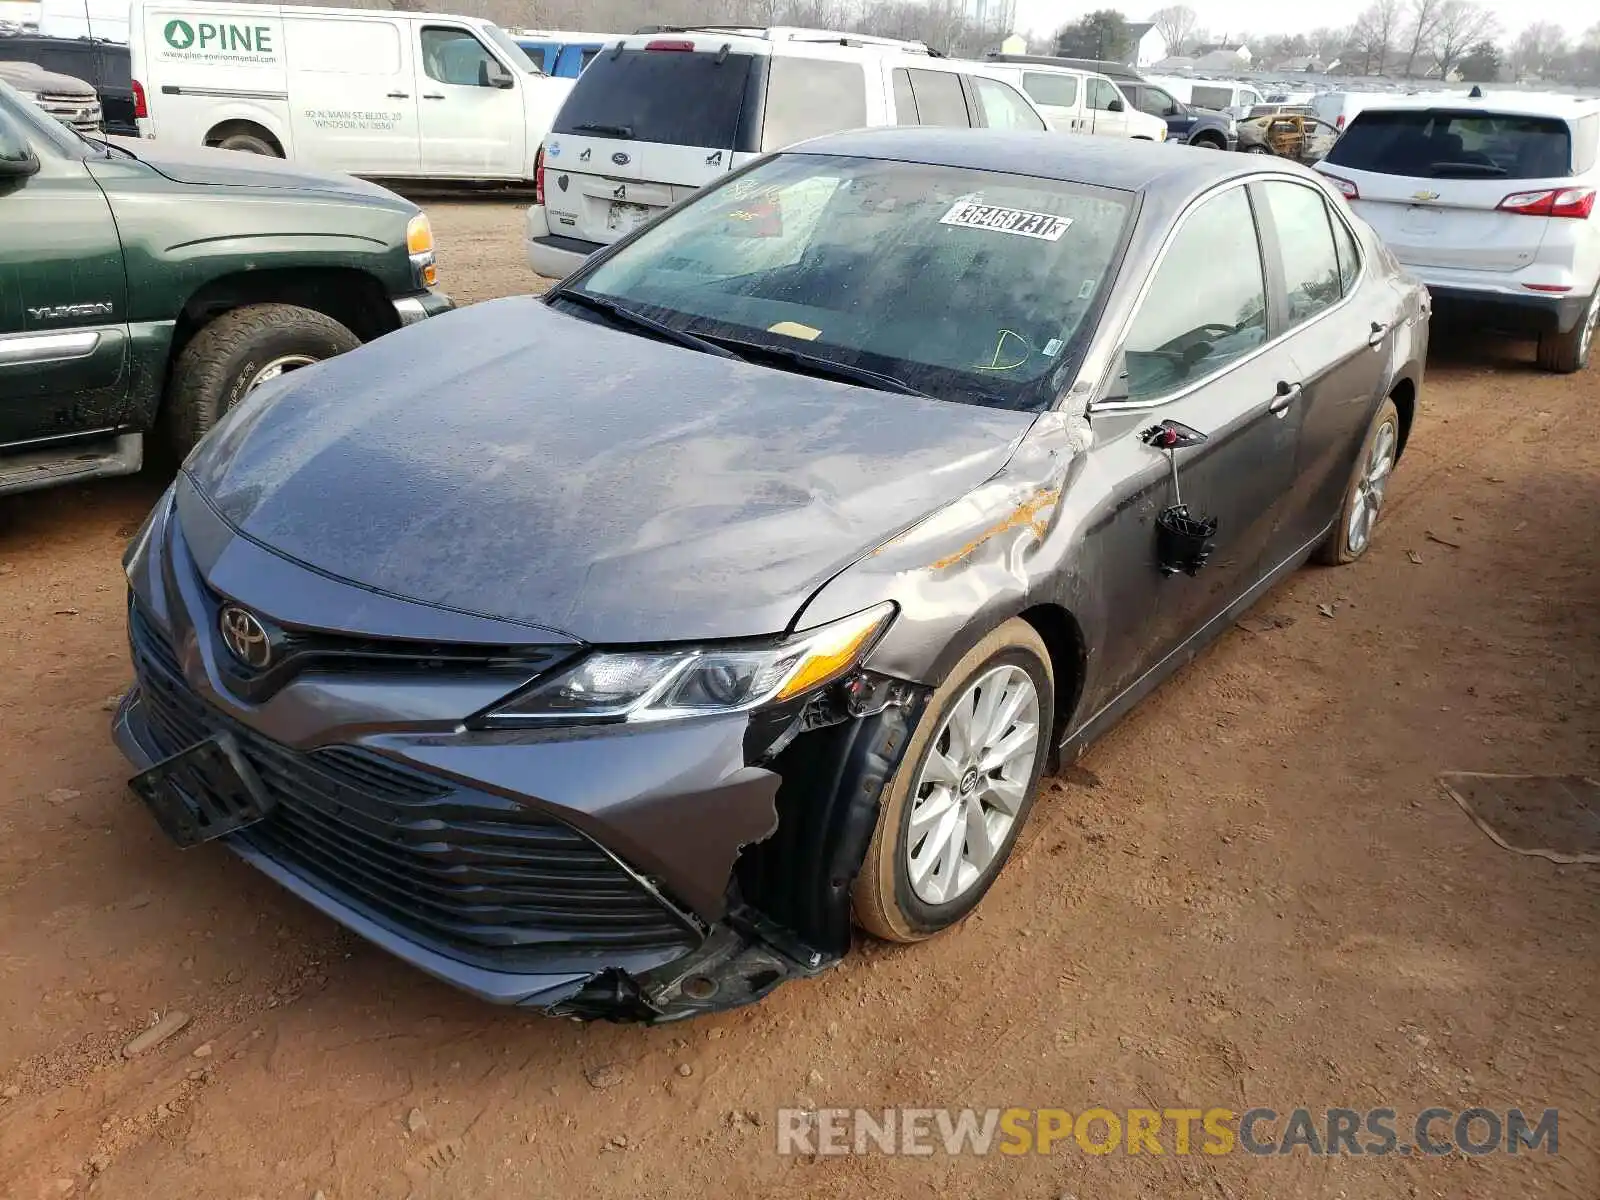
1063,637
353,298
227,129
1404,396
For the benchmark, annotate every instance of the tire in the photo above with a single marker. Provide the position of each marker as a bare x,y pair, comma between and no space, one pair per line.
1257,150
249,143
226,358
1208,143
884,898
1565,353
1341,547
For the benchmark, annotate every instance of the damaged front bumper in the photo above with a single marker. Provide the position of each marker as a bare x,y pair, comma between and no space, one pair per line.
640,872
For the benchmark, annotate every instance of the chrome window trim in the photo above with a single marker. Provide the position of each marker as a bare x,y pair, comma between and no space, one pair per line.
1232,364
29,349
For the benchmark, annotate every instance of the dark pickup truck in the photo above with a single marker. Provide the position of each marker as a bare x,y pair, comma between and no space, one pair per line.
155,288
104,66
1197,126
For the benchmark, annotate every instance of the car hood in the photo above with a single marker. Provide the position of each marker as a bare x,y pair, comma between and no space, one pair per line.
512,461
203,166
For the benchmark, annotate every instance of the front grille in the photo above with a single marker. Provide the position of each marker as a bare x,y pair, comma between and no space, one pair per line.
80,112
472,875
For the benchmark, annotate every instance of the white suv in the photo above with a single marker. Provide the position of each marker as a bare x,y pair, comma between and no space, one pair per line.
1491,202
656,116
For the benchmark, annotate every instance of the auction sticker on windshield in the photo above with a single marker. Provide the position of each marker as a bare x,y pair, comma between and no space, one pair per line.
969,214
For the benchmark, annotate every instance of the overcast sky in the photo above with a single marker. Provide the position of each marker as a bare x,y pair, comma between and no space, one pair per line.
1242,16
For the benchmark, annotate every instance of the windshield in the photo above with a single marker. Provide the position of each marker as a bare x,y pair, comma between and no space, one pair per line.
507,46
968,285
1430,144
34,124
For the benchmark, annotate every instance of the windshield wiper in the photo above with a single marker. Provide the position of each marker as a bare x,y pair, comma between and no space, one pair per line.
627,316
826,368
621,131
1449,170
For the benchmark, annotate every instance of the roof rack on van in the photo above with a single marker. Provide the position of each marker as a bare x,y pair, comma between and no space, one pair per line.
789,33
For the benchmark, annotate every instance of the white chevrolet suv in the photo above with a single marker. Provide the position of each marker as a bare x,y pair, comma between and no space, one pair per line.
656,116
1490,200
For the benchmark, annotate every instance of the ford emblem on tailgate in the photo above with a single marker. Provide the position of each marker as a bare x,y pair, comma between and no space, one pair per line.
621,159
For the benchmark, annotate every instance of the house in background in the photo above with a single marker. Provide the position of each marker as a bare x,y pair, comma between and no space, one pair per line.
1015,44
1225,52
1149,47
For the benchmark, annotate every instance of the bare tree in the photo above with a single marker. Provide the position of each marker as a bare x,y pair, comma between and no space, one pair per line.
1176,25
1423,24
1461,24
1538,49
1374,33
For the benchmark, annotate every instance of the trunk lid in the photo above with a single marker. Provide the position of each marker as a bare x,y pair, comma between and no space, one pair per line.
646,126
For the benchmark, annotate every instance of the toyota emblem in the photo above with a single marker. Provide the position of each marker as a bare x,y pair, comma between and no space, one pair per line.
245,637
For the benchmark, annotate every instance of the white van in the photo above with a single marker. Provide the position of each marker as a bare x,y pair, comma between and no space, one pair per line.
1220,95
654,117
1075,101
387,94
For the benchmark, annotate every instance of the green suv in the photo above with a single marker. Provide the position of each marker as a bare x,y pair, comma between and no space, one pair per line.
144,290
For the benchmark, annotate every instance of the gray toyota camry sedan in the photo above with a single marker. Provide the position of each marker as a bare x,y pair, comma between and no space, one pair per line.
618,651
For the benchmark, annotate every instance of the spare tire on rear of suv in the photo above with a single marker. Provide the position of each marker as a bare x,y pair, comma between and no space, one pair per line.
237,353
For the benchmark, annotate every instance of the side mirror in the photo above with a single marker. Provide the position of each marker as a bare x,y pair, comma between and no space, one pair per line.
495,74
1115,106
17,159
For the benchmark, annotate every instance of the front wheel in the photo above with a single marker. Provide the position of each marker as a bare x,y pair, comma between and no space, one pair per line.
952,813
1257,150
249,143
1363,500
238,352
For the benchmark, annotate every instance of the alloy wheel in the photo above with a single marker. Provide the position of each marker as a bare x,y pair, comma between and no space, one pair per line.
1370,487
276,368
973,784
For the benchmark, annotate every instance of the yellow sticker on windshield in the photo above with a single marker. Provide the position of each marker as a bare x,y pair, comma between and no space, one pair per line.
795,330
969,214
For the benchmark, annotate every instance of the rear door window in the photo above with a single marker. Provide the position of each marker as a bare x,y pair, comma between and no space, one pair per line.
1305,244
1003,106
905,104
807,97
939,99
1436,144
1058,91
674,97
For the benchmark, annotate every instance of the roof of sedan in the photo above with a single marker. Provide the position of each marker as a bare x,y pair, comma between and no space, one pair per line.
1125,163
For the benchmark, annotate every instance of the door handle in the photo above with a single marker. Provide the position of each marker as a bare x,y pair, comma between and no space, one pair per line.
432,96
1375,338
399,95
1287,394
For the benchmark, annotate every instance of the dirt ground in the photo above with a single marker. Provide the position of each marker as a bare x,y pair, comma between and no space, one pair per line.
1253,892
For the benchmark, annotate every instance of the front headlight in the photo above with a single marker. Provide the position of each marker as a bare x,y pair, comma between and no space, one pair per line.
690,681
419,244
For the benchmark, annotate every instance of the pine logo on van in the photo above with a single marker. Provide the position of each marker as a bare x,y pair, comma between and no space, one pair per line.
205,40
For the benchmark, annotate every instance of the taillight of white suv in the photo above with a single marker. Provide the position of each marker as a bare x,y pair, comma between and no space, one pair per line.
1551,202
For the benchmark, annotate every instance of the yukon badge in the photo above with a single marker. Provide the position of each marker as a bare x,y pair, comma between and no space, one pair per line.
63,312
